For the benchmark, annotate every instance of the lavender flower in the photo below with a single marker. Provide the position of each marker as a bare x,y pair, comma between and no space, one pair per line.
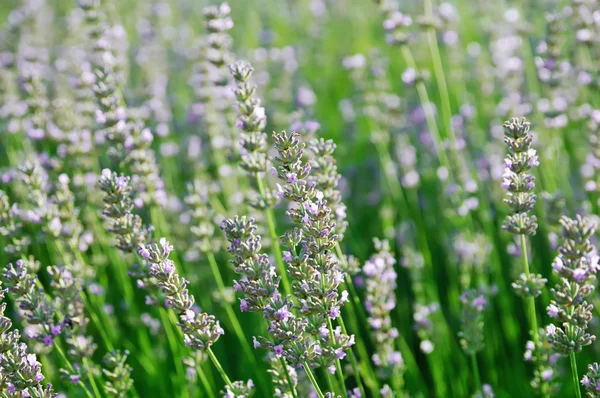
117,373
200,330
118,204
471,334
576,266
10,228
240,389
20,371
380,300
591,381
516,180
253,141
259,284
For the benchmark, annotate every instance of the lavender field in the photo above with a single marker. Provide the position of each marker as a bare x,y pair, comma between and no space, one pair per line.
299,198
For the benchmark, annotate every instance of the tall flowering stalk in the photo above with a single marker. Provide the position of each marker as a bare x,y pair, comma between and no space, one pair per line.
576,266
309,256
519,183
200,330
259,284
253,150
380,301
471,334
20,371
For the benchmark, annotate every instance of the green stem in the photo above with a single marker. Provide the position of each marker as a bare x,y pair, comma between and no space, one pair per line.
91,378
338,366
312,379
274,238
204,380
235,323
288,378
353,362
530,300
64,358
575,375
426,105
217,364
475,367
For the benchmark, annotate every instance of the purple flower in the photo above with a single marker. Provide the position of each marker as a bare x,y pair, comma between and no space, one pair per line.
580,274
558,264
334,312
255,342
243,305
547,374
144,252
48,340
283,313
236,286
292,178
339,353
550,330
479,302
287,256
585,381
75,379
395,358
278,350
55,330
331,369
552,311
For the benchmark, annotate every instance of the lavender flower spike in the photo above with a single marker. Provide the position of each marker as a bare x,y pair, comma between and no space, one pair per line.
200,331
516,180
576,266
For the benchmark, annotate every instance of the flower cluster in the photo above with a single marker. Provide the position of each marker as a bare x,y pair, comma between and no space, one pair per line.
201,215
545,374
396,23
380,300
20,371
591,381
117,373
516,179
253,140
326,179
129,140
200,330
10,228
280,381
22,283
576,265
240,389
471,334
118,205
259,284
310,261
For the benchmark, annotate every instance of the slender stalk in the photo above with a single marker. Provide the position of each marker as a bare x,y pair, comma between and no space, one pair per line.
312,379
338,366
274,238
204,380
91,378
530,300
575,375
64,358
288,378
353,362
235,323
217,364
426,105
475,367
